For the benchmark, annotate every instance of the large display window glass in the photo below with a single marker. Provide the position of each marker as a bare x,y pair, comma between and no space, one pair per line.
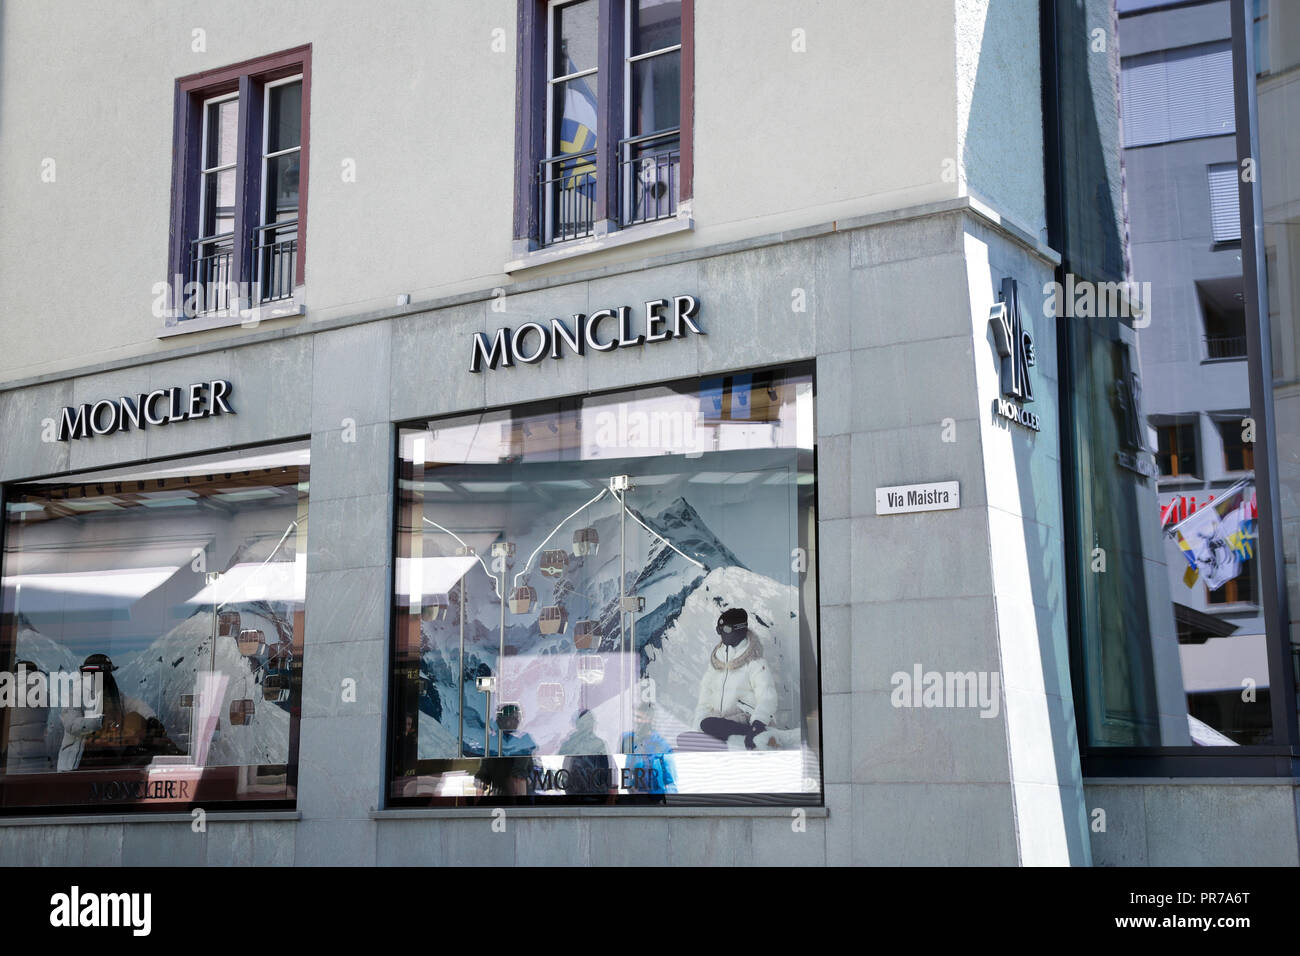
610,599
1175,605
152,634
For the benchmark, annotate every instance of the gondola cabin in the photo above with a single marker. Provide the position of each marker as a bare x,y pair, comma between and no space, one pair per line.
554,619
522,600
241,711
554,562
591,669
435,609
586,635
275,686
228,624
586,542
252,642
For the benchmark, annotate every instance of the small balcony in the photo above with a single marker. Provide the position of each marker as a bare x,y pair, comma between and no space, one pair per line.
650,174
1220,347
274,253
212,268
567,196
275,260
649,178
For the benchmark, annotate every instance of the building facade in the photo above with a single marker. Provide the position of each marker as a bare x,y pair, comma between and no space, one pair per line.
577,474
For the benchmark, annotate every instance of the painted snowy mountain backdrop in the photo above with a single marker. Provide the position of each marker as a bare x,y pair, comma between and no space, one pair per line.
175,666
552,679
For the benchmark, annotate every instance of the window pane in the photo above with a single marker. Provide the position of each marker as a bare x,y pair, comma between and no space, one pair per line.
1176,450
598,643
222,133
284,117
1278,56
1225,207
570,184
180,587
282,187
574,120
656,96
1176,94
1168,529
655,24
219,202
575,38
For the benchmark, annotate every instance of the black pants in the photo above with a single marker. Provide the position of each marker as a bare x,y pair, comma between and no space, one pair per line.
721,728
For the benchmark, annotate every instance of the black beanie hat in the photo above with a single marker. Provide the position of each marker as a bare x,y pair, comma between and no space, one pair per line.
737,619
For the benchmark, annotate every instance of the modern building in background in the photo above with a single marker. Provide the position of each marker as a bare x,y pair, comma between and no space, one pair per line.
1181,176
710,432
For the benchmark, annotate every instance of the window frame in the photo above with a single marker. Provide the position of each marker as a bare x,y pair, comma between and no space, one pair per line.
1070,232
141,807
533,123
246,81
627,207
1176,423
809,679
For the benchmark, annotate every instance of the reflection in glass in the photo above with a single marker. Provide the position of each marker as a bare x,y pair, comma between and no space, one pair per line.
656,94
282,188
1277,60
284,117
562,581
1174,644
222,133
219,202
180,587
655,24
575,38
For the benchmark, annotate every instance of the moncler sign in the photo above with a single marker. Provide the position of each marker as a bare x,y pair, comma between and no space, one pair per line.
605,330
162,406
1016,350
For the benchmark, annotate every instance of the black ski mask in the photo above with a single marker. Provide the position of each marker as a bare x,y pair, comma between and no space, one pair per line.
733,626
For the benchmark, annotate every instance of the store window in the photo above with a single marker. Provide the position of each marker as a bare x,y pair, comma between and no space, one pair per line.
1175,651
603,145
152,634
610,599
239,188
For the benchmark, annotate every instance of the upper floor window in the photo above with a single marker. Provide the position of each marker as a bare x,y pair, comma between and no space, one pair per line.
1176,449
602,144
650,154
1176,94
239,186
1225,213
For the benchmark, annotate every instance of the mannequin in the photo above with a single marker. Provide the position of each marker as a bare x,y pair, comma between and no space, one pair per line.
737,693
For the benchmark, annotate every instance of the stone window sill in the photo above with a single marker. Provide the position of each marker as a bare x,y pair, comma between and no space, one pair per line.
100,819
283,309
613,240
434,813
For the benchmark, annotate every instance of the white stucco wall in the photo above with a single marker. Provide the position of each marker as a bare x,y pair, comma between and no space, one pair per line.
804,113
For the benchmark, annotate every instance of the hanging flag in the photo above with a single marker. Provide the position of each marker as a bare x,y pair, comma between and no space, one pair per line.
1219,537
578,135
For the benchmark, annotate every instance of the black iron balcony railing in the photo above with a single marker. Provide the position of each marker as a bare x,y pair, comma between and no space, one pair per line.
650,173
567,196
1225,346
275,259
211,268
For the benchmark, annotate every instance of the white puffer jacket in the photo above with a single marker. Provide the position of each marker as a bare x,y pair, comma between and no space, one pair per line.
737,685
